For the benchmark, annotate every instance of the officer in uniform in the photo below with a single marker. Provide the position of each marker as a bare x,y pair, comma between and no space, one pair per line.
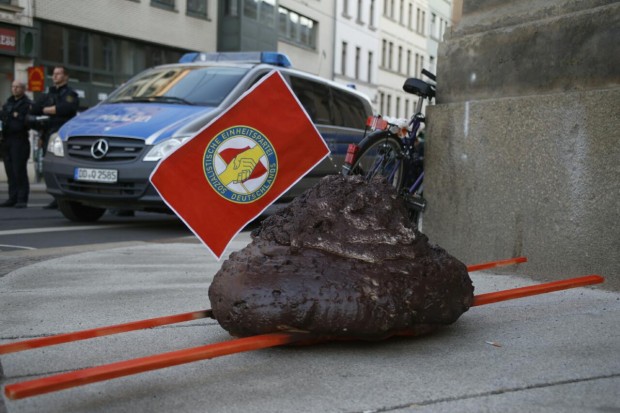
61,103
16,144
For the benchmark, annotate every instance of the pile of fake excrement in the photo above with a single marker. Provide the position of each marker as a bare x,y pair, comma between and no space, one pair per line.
342,260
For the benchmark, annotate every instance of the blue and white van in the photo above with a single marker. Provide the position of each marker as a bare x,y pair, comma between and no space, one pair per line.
103,157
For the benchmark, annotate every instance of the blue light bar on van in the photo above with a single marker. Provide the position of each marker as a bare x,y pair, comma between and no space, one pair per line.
276,59
272,58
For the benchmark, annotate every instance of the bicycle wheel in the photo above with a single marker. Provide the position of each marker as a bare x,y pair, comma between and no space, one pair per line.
380,154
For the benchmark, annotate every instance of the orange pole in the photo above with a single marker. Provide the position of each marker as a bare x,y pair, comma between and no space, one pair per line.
102,331
493,264
158,361
139,365
160,321
511,294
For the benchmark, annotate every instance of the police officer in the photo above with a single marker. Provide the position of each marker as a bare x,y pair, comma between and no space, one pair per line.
16,145
61,103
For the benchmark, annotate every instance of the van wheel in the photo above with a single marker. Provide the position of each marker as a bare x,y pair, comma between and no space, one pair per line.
75,211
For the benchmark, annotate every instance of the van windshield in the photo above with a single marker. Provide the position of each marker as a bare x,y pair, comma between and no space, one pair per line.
189,85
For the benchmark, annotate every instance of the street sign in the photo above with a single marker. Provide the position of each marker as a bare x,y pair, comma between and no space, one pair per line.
36,79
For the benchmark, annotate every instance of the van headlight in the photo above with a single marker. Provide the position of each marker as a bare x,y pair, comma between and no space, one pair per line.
55,145
164,148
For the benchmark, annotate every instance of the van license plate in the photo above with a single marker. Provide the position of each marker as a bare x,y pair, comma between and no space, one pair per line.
95,175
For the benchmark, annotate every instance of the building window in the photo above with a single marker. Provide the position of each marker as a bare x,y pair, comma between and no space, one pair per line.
370,63
443,25
381,102
231,8
423,21
296,28
103,53
408,63
417,68
267,15
358,53
410,17
264,11
440,29
166,4
52,44
250,9
343,59
398,107
372,14
388,108
383,52
401,12
391,9
197,8
390,54
78,48
434,33
385,7
359,11
417,19
345,8
406,107
306,31
400,59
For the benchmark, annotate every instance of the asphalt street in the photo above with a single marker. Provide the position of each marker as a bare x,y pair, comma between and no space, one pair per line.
557,352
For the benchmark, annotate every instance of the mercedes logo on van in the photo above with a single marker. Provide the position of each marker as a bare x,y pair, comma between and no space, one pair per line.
99,149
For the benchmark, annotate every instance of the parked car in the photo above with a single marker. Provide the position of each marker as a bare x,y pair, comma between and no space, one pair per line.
103,157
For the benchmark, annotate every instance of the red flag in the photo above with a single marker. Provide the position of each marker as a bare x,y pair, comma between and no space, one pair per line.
233,169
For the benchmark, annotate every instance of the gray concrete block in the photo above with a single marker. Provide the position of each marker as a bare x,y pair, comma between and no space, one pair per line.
535,176
564,53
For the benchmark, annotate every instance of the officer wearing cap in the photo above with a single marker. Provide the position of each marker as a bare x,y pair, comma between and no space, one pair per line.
61,103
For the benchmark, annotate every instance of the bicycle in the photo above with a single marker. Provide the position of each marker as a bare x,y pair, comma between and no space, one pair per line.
393,150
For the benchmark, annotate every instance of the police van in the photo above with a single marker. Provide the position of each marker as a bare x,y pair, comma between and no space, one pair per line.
103,157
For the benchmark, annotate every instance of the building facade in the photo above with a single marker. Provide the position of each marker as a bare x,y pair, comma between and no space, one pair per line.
17,43
306,33
356,45
409,34
104,43
380,43
372,45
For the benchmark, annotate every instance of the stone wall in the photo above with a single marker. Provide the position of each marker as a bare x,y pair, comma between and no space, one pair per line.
523,152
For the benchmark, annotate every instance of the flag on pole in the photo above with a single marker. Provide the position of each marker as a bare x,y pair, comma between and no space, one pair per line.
233,169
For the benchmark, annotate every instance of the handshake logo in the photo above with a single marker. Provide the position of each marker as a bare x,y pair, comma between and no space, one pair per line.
240,164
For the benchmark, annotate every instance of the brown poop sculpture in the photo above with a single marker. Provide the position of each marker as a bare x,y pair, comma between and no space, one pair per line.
342,260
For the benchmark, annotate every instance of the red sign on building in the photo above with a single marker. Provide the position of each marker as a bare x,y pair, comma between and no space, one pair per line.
36,79
8,39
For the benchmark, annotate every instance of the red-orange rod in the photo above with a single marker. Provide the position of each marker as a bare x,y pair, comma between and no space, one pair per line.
102,331
490,298
158,361
493,264
139,365
160,321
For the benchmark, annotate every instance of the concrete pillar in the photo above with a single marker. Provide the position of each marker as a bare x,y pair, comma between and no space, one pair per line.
523,151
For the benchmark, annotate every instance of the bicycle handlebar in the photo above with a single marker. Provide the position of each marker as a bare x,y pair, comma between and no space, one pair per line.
430,75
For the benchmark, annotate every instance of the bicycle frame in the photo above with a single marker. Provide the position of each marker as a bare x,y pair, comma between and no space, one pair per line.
402,157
